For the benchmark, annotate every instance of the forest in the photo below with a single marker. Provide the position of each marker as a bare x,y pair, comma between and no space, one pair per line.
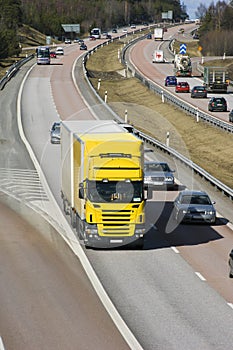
215,32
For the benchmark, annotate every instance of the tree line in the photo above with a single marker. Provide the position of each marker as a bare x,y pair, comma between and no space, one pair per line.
47,16
216,30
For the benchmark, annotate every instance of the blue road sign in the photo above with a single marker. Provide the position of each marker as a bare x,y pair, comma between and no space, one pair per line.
183,48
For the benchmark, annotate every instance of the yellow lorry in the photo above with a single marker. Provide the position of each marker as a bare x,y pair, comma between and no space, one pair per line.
102,182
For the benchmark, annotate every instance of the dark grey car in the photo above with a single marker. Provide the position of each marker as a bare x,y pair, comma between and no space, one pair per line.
158,174
198,92
194,206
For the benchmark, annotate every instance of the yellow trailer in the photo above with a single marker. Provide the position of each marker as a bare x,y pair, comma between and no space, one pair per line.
102,182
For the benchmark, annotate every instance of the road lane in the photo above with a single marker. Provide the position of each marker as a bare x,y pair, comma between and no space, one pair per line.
158,293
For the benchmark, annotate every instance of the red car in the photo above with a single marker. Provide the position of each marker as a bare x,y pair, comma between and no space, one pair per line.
53,54
182,86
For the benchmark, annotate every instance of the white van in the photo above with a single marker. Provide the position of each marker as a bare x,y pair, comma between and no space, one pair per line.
59,51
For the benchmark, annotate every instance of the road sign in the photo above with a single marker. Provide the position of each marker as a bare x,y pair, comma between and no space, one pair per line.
183,48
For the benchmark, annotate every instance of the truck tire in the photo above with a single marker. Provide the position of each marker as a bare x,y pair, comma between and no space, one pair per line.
73,219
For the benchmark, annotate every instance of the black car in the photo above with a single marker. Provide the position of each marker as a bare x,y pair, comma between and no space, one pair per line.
217,104
83,47
149,36
231,116
199,92
230,261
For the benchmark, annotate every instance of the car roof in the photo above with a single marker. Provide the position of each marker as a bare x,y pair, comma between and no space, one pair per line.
217,98
154,162
193,193
199,87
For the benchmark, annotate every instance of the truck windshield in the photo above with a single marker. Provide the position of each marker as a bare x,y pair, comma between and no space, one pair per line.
115,191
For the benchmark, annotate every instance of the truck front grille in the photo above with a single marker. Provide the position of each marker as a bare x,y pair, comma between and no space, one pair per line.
116,223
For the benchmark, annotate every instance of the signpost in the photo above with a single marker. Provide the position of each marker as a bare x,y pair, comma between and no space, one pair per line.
183,48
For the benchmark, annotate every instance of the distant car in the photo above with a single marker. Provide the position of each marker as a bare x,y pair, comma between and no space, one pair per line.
114,30
76,40
182,86
91,37
231,116
80,41
217,104
170,80
125,30
194,206
195,36
230,262
83,47
108,36
59,51
55,133
181,31
133,26
53,54
67,41
158,174
149,36
199,92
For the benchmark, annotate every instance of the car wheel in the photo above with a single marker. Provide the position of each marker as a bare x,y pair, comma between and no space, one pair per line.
230,275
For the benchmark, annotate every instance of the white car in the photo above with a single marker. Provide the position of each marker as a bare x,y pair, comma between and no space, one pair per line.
59,51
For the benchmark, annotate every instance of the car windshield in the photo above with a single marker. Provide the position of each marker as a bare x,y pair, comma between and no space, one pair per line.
115,191
195,199
156,167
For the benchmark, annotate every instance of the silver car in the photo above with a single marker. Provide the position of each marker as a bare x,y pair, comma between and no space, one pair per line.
158,174
194,206
55,133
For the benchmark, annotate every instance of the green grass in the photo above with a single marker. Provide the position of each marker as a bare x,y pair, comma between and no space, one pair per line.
207,146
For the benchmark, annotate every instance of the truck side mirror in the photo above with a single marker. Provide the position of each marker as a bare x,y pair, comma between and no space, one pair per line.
81,191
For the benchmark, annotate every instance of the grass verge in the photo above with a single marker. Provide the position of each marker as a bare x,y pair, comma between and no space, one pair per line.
205,145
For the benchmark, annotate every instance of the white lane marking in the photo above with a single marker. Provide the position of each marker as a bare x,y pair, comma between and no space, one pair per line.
66,232
1,344
175,250
200,276
230,304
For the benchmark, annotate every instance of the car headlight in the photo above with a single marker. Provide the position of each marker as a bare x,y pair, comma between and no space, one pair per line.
209,212
147,178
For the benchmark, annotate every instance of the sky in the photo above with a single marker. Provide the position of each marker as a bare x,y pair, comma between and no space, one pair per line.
192,6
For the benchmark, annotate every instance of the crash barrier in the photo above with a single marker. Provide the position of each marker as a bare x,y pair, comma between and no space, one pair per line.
218,185
13,70
169,97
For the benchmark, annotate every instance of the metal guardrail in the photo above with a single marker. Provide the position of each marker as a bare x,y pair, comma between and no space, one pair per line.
13,70
227,191
167,96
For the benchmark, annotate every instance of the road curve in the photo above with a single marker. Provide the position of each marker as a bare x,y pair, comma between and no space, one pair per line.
156,290
47,301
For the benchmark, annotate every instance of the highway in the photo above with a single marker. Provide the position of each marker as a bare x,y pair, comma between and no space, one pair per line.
175,294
